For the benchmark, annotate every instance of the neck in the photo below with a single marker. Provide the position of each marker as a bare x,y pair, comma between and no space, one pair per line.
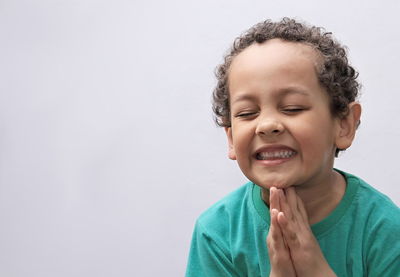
320,200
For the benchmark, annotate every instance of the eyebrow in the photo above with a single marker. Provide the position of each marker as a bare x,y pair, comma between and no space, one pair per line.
294,90
282,93
243,97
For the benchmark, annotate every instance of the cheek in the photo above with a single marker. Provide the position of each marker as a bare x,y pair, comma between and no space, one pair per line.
242,137
315,139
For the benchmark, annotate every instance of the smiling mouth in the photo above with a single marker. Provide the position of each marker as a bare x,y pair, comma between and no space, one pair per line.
275,155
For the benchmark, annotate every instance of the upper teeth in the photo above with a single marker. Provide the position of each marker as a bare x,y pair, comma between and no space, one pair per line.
275,154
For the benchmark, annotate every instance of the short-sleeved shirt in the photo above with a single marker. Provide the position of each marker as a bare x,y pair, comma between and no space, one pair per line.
360,237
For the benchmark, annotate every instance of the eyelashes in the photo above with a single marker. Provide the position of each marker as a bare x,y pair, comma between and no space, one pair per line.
246,114
293,110
288,110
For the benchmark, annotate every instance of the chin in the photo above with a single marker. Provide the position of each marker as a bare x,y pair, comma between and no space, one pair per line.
278,183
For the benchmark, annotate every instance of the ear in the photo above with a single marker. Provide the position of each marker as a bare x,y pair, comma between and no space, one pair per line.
231,150
348,126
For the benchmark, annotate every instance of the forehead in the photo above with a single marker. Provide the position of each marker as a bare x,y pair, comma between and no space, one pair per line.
276,61
278,49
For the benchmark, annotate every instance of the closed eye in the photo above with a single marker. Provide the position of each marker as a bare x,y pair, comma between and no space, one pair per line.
293,110
246,114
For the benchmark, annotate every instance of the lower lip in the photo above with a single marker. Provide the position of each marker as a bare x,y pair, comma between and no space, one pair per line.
274,162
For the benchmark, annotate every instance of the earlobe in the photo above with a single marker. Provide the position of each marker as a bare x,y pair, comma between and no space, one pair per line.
231,150
348,126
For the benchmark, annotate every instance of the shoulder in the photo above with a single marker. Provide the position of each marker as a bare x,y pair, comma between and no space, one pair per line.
214,228
382,214
228,207
381,219
218,219
211,251
374,203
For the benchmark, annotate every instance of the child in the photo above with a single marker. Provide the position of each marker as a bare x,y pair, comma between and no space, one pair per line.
286,96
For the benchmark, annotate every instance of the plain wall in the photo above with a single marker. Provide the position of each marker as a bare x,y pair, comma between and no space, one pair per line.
108,150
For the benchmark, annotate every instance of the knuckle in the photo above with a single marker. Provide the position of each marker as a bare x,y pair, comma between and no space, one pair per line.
269,241
279,259
292,236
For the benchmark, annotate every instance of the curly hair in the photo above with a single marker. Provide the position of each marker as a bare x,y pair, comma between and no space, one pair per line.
335,73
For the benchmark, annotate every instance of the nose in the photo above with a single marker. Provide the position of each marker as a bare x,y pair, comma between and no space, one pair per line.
269,127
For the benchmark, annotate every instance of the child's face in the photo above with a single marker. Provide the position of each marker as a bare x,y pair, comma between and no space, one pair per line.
282,132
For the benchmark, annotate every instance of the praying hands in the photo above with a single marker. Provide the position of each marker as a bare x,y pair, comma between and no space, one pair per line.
292,247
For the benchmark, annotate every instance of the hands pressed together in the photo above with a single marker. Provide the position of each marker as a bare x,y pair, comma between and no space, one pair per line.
292,247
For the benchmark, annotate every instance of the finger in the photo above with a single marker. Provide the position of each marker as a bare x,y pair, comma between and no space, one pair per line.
274,199
285,208
291,197
285,223
275,230
288,232
281,263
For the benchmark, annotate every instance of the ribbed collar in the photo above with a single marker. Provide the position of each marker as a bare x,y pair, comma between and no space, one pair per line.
319,228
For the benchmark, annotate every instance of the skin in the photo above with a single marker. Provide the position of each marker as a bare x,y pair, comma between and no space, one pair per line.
277,104
293,249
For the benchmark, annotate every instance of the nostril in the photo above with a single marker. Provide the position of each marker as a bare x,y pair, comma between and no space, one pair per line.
269,127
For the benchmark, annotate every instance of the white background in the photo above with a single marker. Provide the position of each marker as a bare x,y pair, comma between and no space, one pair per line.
108,151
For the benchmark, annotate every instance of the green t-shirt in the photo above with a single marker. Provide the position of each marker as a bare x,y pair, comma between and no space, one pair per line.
361,237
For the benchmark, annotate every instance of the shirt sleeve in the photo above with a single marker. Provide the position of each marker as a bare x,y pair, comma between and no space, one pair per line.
383,258
208,258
